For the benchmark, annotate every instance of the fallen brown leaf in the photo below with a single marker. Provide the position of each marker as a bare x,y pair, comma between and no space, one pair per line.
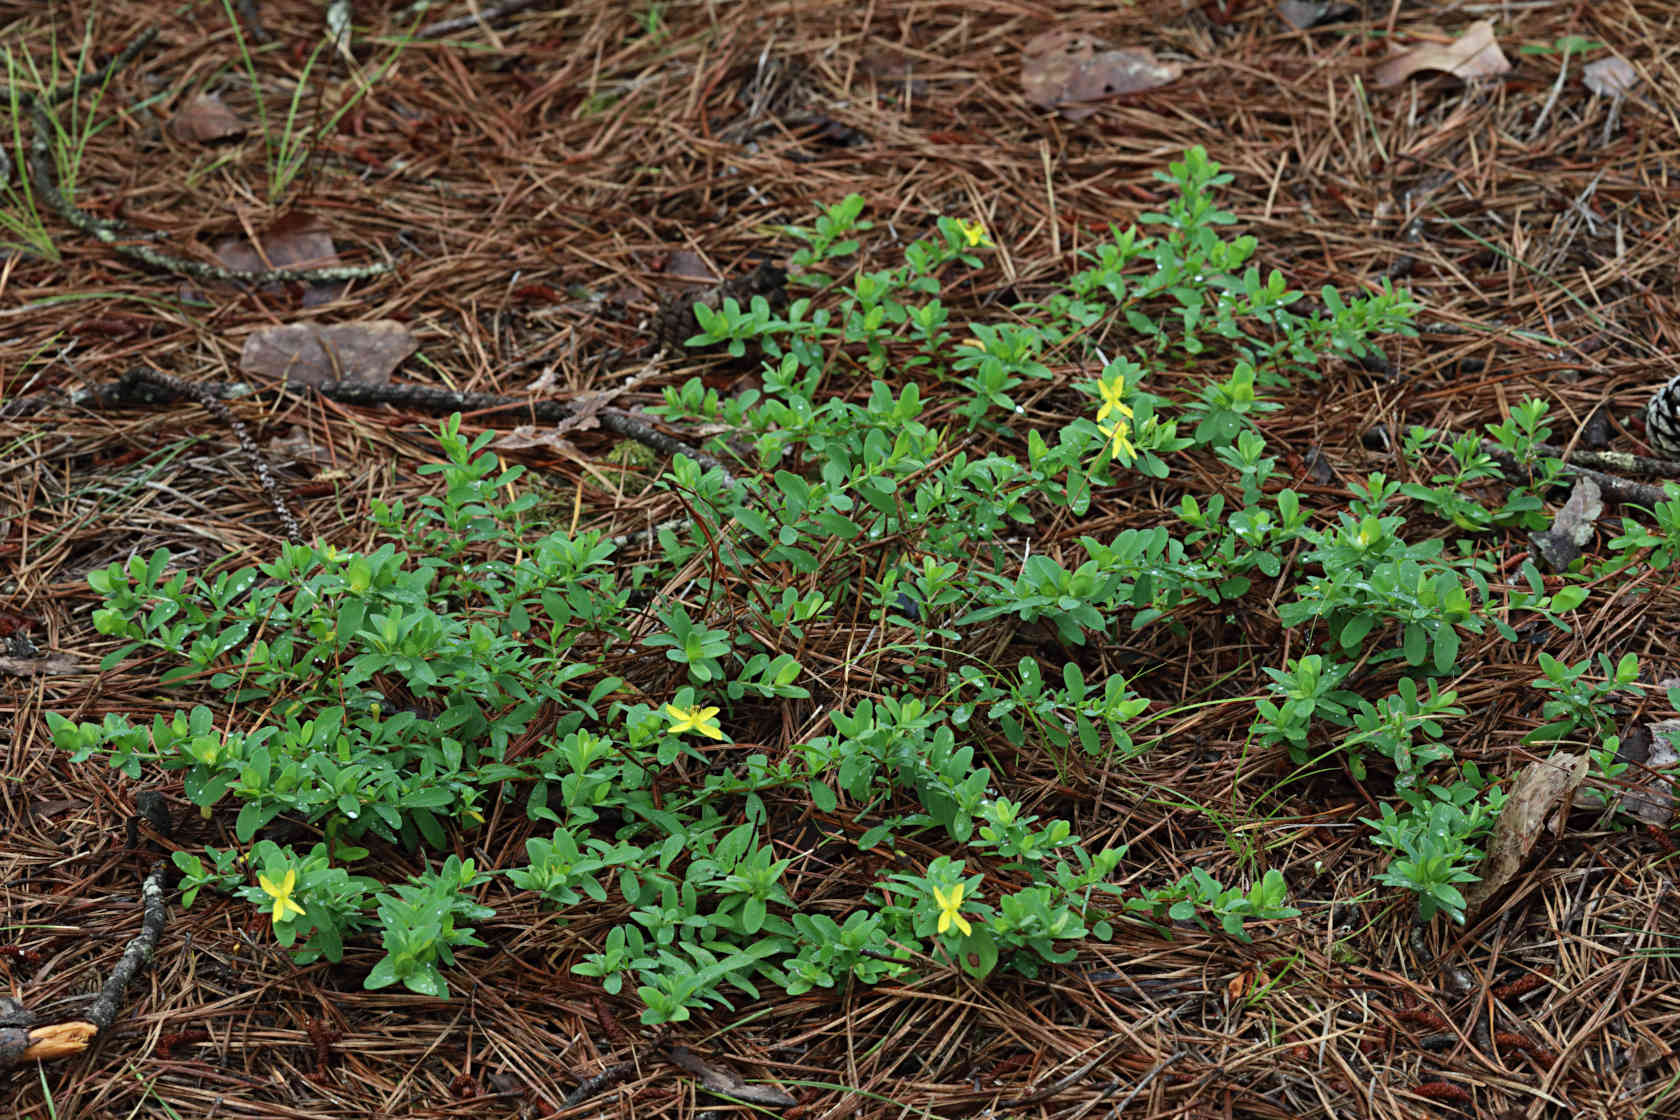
1474,54
298,240
726,1084
1651,798
1539,799
1066,70
1610,77
204,120
311,354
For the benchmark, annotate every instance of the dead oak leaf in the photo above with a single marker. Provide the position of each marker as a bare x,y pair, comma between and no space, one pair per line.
1066,70
1474,54
295,241
1540,798
310,354
204,120
298,241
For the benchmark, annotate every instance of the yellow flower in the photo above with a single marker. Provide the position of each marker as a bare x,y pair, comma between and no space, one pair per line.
949,915
703,720
1113,398
281,893
1120,439
974,232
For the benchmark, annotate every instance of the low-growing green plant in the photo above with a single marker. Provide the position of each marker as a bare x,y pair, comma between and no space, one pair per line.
1374,582
1198,896
1431,841
469,658
1580,705
1662,539
1392,725
419,927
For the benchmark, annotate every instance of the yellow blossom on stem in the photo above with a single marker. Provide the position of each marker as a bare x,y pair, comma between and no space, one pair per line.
974,233
703,720
1113,398
1119,436
950,902
281,893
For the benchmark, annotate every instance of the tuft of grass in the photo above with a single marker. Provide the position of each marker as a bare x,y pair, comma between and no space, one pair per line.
289,150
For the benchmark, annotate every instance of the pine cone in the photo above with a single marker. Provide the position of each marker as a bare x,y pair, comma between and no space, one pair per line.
1662,419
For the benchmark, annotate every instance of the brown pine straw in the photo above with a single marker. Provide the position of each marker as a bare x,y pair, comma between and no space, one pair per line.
534,177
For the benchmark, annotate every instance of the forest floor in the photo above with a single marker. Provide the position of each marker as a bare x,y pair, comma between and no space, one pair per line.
550,186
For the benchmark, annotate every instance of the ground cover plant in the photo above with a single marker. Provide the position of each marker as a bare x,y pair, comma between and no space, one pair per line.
979,640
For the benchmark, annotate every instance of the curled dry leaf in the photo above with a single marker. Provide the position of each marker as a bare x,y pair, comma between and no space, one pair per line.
311,354
1651,798
1561,545
204,120
1474,54
1066,70
1539,798
1610,77
724,1083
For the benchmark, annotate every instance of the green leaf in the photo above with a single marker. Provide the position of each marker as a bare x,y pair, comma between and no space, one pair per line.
383,975
822,796
978,953
1446,648
1416,644
874,836
1356,630
1568,598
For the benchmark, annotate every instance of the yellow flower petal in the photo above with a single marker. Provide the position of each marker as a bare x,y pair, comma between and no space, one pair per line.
1113,392
703,720
1119,438
281,893
949,901
974,232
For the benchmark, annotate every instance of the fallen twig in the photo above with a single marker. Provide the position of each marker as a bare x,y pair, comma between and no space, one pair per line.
21,1040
